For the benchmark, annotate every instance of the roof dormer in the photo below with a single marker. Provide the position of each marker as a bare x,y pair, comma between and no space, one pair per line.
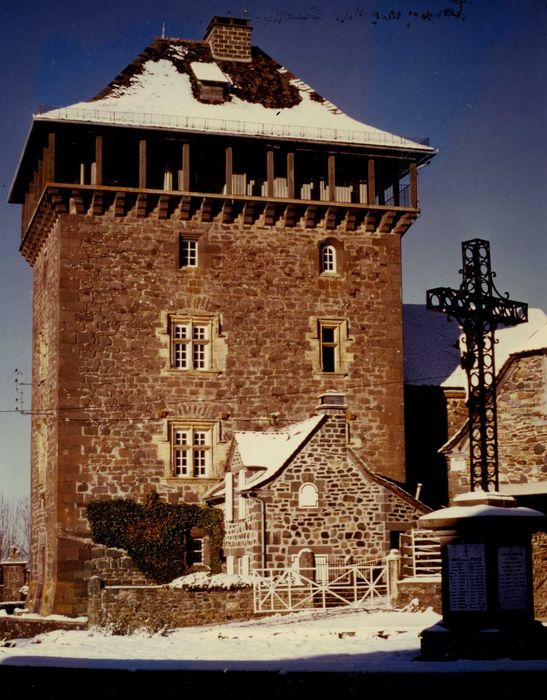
213,84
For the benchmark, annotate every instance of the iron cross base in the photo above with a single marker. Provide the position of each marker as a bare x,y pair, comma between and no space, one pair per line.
487,581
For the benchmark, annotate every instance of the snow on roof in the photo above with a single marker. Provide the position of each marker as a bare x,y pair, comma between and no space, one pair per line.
456,513
159,89
431,350
270,451
511,340
209,72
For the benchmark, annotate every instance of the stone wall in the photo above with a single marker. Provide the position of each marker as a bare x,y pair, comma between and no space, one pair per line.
104,288
114,567
23,627
157,608
13,577
419,594
522,426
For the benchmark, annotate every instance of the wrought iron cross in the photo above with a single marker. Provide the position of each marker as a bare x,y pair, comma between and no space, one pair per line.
479,308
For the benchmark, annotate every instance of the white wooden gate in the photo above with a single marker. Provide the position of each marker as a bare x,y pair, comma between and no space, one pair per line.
286,590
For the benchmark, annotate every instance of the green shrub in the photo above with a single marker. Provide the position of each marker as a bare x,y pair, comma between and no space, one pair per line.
154,534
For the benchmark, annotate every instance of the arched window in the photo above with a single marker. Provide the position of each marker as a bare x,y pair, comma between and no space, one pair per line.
308,496
328,258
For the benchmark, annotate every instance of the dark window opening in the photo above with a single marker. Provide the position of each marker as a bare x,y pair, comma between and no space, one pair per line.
328,348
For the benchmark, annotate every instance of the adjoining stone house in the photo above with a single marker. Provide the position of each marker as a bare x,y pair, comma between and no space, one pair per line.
213,245
521,379
436,411
302,497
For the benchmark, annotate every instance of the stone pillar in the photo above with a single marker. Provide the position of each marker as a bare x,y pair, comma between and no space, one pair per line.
487,585
393,561
14,568
94,591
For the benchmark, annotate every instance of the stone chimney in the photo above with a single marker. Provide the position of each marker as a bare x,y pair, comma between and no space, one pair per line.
332,403
229,38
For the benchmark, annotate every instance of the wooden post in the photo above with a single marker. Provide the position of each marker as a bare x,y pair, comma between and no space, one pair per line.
142,164
413,172
290,176
332,177
49,157
270,172
229,169
98,160
185,184
371,182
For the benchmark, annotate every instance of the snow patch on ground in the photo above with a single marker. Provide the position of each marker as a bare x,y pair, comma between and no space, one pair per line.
343,640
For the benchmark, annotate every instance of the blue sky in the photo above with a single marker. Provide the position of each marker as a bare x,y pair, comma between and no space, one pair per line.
471,76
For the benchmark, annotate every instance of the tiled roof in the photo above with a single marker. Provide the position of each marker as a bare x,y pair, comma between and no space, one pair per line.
159,89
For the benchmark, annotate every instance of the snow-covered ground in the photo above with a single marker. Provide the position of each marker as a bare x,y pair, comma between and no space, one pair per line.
338,640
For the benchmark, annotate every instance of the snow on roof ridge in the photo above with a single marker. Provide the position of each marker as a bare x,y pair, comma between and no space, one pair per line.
271,450
511,340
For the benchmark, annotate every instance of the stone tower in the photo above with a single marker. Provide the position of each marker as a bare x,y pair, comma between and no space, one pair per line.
213,246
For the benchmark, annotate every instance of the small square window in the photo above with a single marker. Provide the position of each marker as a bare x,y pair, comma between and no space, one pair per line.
188,252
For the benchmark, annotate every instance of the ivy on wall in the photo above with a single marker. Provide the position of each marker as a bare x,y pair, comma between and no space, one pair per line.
155,533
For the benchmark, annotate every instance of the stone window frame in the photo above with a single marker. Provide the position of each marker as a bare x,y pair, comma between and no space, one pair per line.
330,257
190,256
331,347
198,343
308,486
195,454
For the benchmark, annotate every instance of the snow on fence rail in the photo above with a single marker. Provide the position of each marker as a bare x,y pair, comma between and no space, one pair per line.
229,126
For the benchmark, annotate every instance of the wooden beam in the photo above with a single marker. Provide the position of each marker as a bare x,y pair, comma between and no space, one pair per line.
413,172
270,173
49,158
290,175
229,169
185,184
332,177
142,164
98,160
371,182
